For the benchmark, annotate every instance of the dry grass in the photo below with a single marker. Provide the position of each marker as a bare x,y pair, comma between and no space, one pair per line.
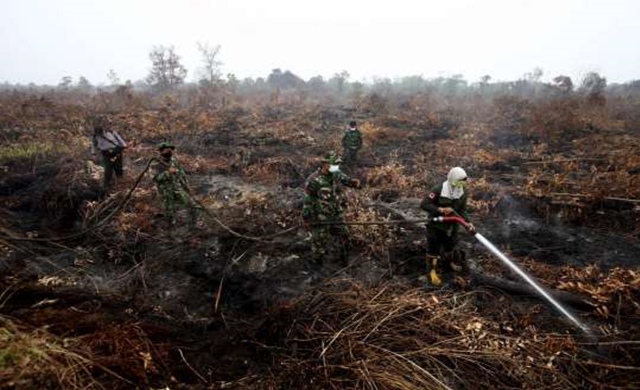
391,176
372,133
373,239
347,335
128,351
270,170
118,354
37,359
613,294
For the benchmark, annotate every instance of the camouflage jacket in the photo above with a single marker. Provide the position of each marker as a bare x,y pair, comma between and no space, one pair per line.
352,139
321,201
168,182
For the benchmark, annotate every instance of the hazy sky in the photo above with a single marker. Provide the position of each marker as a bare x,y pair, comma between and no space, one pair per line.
44,40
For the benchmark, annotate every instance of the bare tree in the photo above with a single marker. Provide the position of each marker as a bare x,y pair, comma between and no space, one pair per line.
210,72
166,72
65,83
232,81
113,78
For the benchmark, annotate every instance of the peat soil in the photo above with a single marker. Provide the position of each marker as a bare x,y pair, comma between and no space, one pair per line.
201,297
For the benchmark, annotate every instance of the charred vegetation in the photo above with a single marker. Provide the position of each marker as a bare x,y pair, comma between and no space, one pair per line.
99,291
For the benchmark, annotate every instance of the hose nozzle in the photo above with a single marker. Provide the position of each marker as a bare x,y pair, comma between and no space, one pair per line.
458,220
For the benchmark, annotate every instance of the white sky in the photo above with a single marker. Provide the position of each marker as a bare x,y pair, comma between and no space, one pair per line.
43,40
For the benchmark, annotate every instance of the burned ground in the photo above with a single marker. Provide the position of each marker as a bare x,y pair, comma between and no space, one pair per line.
110,295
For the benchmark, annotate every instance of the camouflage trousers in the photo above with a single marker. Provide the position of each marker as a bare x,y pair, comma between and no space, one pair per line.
169,199
330,242
349,156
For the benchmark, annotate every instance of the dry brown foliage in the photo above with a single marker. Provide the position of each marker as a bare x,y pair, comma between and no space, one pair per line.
373,239
37,359
270,170
562,156
347,335
391,176
614,294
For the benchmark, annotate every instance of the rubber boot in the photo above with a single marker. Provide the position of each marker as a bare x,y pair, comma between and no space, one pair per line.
449,262
447,269
432,266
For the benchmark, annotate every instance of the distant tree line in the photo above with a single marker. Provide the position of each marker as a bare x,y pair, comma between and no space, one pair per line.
167,74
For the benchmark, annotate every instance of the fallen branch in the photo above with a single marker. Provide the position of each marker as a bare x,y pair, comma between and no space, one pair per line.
191,368
611,198
479,277
393,222
562,161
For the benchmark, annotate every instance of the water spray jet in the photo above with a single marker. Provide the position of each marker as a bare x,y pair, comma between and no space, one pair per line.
520,272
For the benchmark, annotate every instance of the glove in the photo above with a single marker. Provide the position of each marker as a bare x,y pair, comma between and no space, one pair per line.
445,210
470,228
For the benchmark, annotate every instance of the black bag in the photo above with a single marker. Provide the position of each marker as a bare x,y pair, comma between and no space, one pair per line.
113,152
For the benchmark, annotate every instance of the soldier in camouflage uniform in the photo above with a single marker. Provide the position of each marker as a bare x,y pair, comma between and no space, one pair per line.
322,204
171,181
351,143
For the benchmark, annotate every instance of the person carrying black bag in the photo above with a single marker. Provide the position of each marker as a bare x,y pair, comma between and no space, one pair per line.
111,145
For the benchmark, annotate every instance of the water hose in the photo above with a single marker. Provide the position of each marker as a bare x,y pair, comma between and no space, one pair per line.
512,265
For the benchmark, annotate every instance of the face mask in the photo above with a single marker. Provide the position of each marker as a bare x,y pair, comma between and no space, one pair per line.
334,168
459,184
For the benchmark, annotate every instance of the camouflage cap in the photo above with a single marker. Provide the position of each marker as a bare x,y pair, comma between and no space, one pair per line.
165,145
332,158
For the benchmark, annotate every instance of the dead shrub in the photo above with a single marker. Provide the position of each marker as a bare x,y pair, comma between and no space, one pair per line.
128,351
270,170
373,239
392,175
35,359
373,134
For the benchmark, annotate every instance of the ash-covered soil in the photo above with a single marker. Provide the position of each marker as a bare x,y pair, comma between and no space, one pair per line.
237,302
